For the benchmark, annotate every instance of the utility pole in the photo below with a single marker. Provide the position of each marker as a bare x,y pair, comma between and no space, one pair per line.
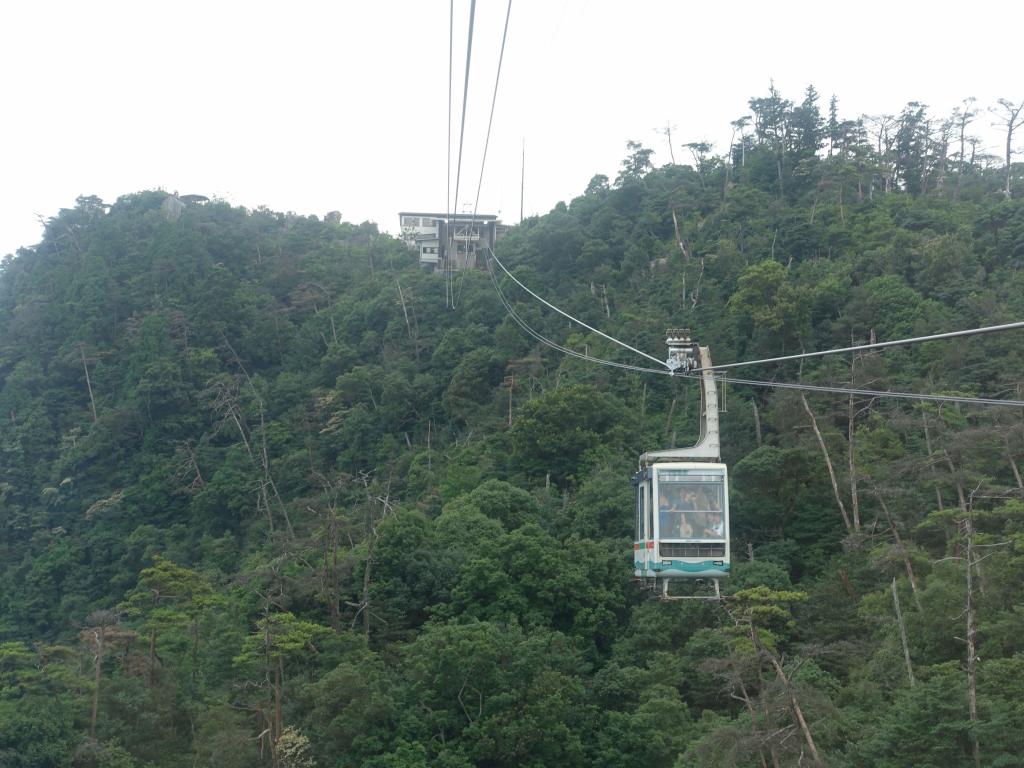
522,182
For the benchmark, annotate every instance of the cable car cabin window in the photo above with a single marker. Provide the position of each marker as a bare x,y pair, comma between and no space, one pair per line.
650,511
640,512
690,507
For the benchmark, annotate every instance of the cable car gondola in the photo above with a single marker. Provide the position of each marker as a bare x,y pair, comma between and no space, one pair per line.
682,494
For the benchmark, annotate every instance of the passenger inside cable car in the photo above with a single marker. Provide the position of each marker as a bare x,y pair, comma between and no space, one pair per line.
672,518
714,526
690,510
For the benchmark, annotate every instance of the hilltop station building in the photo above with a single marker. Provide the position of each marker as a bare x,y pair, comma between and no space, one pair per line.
471,236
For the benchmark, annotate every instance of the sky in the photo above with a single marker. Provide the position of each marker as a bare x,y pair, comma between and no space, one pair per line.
319,106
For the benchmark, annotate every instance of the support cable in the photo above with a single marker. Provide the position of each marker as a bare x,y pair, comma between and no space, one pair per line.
448,199
462,128
694,373
861,347
729,379
487,141
573,319
867,392
555,345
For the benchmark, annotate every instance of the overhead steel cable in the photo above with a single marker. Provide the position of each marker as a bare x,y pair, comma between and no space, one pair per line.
555,345
448,199
462,132
573,319
694,373
866,392
862,347
487,141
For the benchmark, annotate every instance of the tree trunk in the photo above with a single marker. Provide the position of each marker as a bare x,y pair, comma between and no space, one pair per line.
99,635
1012,122
679,238
334,609
371,536
268,478
412,337
931,465
195,649
794,703
366,589
966,511
757,423
845,578
1014,467
972,671
854,498
766,710
828,464
88,383
329,567
278,692
152,657
753,721
903,632
695,293
902,549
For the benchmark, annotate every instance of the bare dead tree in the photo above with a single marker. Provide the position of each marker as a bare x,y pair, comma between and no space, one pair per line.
903,632
667,133
101,628
740,124
1013,463
733,671
222,393
828,464
901,547
852,463
737,125
700,150
962,117
931,462
378,506
695,293
880,128
413,337
187,472
780,673
330,535
88,382
971,639
757,422
966,509
1010,119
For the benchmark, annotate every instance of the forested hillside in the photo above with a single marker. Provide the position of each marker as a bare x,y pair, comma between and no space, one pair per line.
265,499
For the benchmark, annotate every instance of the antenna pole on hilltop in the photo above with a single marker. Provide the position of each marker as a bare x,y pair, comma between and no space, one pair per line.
522,183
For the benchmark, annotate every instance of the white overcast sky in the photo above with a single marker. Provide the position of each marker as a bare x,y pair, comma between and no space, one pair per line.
312,107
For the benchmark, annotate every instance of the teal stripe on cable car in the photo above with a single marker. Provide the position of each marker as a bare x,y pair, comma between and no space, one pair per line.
679,565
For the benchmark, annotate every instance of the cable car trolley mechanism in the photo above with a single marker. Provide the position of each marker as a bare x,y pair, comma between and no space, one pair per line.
682,494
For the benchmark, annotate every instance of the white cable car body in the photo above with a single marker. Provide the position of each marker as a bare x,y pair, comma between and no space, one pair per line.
682,494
